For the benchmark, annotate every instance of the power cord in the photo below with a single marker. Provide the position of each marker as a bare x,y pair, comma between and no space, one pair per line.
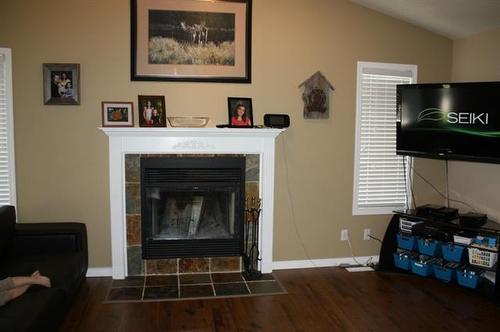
369,260
294,221
352,253
447,185
439,192
410,178
290,200
375,238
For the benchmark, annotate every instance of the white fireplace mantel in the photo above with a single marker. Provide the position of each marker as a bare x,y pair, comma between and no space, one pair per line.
124,141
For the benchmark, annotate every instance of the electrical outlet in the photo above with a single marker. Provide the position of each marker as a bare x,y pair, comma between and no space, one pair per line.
344,235
366,234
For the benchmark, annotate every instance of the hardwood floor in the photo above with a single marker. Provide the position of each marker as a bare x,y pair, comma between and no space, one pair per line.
326,299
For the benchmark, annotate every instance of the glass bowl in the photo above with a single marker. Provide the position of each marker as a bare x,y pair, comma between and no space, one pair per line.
188,121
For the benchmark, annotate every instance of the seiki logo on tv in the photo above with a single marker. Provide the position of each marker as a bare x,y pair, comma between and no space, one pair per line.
463,118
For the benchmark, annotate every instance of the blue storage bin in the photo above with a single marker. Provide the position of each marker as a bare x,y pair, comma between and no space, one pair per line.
429,247
468,277
452,252
402,260
445,272
422,265
407,242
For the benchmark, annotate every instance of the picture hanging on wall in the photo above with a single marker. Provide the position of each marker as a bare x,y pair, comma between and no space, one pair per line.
61,84
240,111
117,114
152,111
316,96
191,40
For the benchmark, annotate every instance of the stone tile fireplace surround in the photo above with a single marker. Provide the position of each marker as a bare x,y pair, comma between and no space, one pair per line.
125,147
136,266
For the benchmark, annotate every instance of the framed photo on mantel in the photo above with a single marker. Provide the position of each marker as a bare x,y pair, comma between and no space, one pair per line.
152,111
117,114
191,40
240,111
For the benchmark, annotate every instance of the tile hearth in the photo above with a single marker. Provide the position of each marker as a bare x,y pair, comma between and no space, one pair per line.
191,286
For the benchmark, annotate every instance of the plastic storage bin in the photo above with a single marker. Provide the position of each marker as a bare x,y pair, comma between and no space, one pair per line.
453,253
469,277
406,225
407,242
462,238
402,259
482,258
429,247
444,272
422,265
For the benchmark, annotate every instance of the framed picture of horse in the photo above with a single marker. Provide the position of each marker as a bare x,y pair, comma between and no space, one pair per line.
191,40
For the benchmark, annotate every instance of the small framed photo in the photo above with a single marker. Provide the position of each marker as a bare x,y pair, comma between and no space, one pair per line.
240,111
61,83
152,111
117,114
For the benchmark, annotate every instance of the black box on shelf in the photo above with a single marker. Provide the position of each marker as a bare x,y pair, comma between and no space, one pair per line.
472,219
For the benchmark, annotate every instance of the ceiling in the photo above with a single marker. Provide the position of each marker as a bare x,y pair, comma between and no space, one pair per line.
454,19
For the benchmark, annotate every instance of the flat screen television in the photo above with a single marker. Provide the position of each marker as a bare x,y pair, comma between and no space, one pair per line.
458,121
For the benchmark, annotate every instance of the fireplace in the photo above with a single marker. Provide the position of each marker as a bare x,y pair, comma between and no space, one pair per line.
192,206
124,190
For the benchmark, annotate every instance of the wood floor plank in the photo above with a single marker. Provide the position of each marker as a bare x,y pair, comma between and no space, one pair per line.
325,299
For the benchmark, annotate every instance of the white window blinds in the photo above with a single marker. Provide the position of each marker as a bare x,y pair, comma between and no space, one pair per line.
380,179
7,168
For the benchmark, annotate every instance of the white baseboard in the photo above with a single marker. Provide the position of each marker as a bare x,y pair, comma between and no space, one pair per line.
325,262
93,272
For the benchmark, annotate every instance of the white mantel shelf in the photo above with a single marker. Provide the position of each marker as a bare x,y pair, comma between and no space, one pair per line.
133,140
192,132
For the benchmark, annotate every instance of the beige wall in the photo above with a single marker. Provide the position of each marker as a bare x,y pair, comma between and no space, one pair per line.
477,58
62,164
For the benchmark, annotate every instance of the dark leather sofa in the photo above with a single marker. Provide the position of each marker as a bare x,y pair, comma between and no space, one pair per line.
57,250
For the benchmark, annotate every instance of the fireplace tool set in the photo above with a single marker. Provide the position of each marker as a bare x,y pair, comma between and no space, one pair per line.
251,246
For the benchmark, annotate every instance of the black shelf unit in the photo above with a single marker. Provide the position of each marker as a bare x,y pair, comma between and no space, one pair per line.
390,246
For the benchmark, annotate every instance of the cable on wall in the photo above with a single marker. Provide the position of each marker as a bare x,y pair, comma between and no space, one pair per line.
290,201
438,191
294,221
447,185
410,178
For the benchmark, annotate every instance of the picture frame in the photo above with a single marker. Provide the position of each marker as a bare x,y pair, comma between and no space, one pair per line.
61,83
191,40
152,112
117,114
240,112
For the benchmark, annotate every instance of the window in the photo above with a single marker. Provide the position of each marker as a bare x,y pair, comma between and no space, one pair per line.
7,167
380,176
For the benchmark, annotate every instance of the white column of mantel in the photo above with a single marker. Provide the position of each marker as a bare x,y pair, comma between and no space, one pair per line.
117,207
189,141
266,222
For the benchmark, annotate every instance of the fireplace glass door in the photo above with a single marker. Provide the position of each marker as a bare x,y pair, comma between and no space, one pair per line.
192,213
192,207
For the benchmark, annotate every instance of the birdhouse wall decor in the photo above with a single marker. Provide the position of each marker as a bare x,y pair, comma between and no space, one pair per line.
316,96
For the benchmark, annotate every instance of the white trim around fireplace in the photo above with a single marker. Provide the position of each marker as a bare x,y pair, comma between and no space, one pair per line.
124,141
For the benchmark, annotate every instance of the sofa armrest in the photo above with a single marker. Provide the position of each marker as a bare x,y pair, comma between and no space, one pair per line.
41,238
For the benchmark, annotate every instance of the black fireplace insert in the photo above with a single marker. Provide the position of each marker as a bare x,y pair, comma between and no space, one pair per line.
192,206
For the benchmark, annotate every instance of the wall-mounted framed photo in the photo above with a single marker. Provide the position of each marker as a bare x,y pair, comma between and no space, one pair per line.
191,40
152,111
117,114
240,111
61,84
